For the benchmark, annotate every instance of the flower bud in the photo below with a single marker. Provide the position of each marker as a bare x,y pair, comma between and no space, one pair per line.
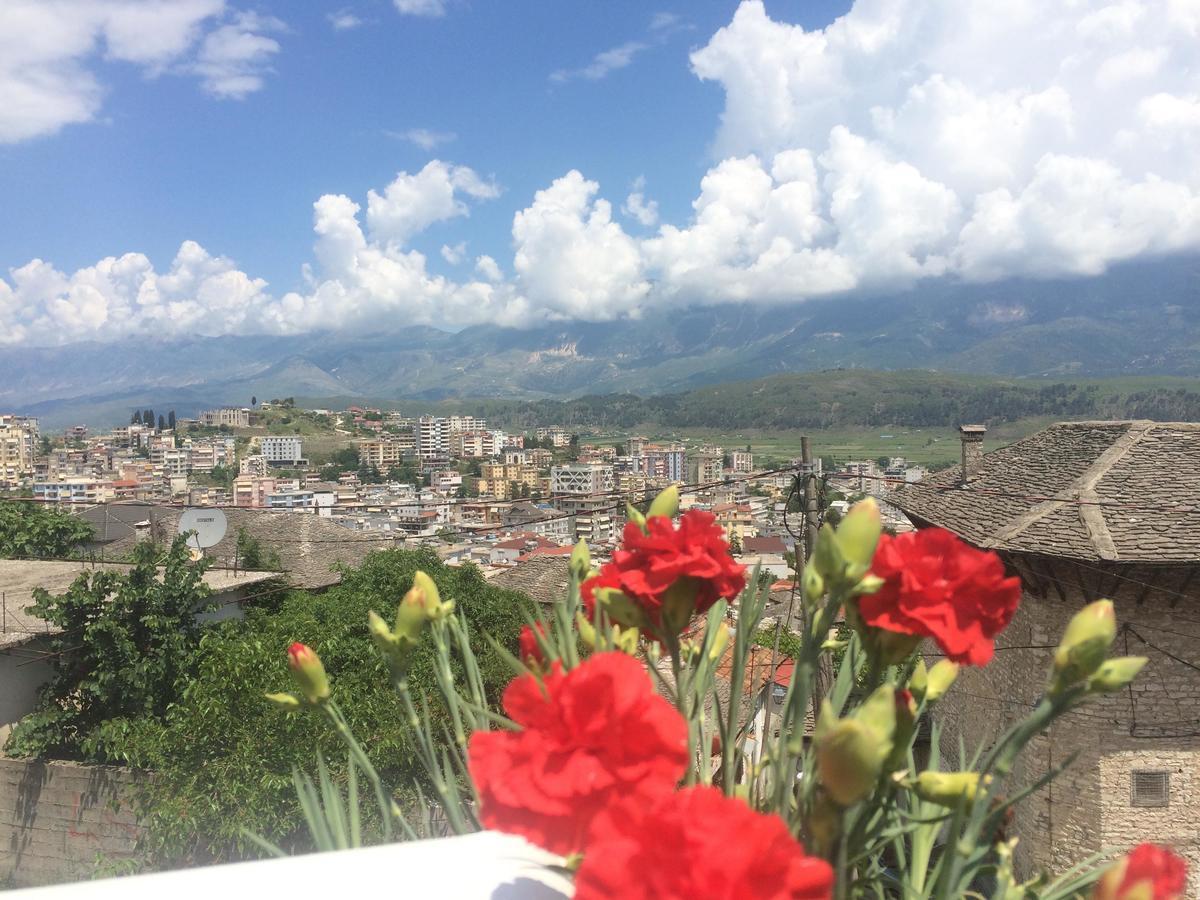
665,504
308,673
848,762
812,585
918,682
827,555
634,515
948,788
720,642
531,651
857,535
581,561
1085,643
1148,872
431,599
1115,674
939,680
285,702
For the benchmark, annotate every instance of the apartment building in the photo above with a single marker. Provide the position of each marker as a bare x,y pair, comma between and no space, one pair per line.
433,437
741,461
208,454
664,462
581,478
19,437
292,501
283,451
385,452
75,490
252,490
706,466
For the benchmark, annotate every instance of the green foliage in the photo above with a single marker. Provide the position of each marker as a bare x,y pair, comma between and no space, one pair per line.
30,529
253,555
125,650
223,757
789,643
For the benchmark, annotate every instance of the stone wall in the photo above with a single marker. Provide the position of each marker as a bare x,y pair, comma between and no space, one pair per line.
62,821
1154,726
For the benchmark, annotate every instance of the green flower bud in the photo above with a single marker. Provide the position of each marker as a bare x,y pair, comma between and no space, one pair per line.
581,561
918,682
948,788
827,555
665,504
308,673
1115,674
812,585
940,679
848,762
430,597
857,535
286,702
620,608
634,515
1084,644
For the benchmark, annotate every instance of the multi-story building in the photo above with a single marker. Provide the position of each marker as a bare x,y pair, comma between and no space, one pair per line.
446,481
664,462
285,451
385,452
208,454
596,519
254,464
293,501
252,490
465,423
581,478
706,466
433,436
741,461
174,461
228,415
19,436
75,490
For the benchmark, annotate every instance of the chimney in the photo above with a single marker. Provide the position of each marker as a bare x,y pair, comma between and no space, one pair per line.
972,450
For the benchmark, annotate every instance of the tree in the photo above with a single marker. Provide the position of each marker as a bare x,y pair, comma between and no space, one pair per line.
254,401
124,650
223,757
136,418
253,555
171,420
29,529
162,424
148,418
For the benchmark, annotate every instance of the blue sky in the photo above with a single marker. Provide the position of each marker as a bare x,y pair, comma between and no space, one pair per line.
166,162
219,166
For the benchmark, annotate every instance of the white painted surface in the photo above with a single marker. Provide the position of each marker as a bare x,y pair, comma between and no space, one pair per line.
485,865
22,673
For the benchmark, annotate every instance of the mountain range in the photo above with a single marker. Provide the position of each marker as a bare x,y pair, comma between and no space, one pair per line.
1137,319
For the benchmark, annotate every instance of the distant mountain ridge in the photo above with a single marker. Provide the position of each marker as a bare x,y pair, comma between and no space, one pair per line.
1138,319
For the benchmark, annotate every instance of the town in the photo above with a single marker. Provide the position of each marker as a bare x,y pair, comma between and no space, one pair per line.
474,492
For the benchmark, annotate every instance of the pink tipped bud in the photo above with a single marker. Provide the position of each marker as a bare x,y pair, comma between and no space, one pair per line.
308,673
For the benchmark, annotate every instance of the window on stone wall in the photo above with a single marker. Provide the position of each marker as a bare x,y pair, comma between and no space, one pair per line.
1149,787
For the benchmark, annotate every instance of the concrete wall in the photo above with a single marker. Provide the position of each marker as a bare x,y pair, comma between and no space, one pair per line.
1153,726
63,821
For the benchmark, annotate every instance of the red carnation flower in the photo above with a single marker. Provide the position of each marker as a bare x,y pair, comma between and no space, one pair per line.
651,562
530,650
1146,866
697,843
939,587
590,736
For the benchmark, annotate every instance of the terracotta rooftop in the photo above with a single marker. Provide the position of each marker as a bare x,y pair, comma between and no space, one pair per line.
1111,491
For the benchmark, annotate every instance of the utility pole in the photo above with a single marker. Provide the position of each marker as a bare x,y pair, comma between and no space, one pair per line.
823,674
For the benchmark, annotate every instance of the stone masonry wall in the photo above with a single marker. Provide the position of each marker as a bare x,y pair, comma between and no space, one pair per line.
1154,726
59,820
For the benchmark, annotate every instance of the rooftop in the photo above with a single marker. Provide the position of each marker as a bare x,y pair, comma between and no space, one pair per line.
545,579
1106,491
19,578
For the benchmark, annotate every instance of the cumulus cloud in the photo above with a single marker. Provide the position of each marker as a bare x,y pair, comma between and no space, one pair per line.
636,206
52,54
344,20
906,141
411,203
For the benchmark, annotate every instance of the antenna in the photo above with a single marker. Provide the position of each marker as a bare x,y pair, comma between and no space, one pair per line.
208,526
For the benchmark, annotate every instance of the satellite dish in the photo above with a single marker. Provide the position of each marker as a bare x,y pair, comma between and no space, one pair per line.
208,524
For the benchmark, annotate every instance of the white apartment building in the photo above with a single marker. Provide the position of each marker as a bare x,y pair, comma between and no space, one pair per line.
207,454
581,478
741,461
280,450
294,501
433,437
75,490
706,466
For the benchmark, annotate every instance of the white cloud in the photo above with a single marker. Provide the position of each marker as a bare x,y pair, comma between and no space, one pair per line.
344,20
52,53
234,58
454,254
489,269
572,260
428,8
425,138
411,203
636,206
603,63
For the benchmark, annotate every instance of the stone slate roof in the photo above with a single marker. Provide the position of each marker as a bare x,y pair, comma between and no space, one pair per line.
308,545
541,578
1139,483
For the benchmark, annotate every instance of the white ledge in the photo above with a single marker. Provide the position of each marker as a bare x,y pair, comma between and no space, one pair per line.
483,865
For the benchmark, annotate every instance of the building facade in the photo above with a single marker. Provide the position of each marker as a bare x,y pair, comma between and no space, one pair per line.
287,451
1082,511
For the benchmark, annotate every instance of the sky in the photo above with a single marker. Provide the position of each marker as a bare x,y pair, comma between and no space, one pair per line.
204,167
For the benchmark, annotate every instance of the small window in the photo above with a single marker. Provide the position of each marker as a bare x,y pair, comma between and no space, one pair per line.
1149,788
